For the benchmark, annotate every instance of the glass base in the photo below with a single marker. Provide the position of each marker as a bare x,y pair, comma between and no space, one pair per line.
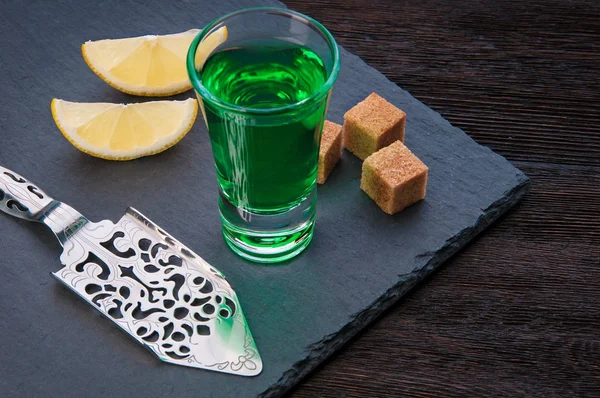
268,238
269,249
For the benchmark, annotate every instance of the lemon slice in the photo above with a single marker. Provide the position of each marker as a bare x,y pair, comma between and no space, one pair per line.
148,65
124,132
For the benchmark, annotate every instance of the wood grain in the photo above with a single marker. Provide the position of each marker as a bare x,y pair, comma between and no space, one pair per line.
519,77
516,313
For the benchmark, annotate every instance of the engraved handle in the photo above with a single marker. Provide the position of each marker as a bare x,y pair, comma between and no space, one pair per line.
23,199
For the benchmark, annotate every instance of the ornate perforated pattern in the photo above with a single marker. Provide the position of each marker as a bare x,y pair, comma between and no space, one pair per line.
161,293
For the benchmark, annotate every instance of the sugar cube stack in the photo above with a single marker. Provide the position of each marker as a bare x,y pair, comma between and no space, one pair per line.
373,130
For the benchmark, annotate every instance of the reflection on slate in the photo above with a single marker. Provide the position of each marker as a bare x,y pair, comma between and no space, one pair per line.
360,262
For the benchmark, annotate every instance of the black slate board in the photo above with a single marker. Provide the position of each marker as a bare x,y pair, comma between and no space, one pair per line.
360,262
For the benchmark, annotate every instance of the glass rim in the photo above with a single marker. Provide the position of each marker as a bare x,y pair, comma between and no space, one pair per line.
210,97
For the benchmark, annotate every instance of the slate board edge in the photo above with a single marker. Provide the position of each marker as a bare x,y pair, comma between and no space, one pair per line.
330,344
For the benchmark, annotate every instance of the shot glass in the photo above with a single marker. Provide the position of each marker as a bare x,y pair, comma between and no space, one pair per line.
264,92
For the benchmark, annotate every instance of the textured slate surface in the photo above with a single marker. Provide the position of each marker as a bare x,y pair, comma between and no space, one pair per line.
360,262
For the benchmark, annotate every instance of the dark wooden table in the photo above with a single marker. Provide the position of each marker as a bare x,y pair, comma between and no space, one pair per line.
518,312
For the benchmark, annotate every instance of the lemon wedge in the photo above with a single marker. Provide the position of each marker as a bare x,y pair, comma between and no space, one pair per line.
124,132
148,65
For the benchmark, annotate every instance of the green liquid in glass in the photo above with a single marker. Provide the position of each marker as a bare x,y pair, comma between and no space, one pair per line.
265,165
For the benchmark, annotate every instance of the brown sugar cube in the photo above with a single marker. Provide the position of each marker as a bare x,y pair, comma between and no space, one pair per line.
394,178
330,151
371,125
